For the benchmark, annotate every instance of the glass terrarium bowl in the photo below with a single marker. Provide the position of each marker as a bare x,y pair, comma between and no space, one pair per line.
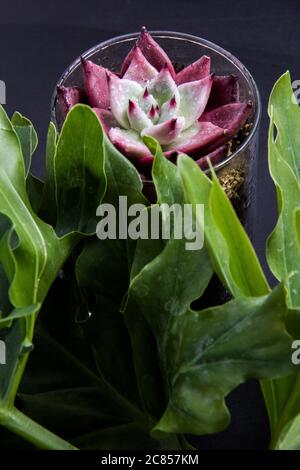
237,172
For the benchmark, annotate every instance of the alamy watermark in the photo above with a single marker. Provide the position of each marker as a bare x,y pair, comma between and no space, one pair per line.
295,358
2,353
2,92
138,221
296,92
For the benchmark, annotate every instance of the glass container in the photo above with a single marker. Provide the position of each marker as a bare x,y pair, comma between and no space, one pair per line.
237,172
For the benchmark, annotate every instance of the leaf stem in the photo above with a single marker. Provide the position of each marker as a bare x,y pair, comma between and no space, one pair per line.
25,427
30,322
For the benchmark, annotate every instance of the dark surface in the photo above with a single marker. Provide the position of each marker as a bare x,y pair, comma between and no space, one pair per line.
39,39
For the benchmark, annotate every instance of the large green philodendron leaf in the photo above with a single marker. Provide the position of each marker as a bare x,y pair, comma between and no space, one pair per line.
166,279
180,277
204,355
217,349
31,252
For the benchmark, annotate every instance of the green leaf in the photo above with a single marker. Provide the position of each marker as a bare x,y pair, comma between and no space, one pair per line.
5,305
289,438
28,140
32,253
297,224
48,208
14,166
106,327
283,252
27,136
128,437
31,256
234,259
79,171
218,349
37,254
32,246
204,355
232,254
284,112
35,189
103,268
75,400
162,291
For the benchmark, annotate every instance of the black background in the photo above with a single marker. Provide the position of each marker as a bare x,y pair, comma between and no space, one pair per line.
38,39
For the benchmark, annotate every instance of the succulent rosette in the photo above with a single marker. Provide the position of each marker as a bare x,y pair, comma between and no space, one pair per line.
190,111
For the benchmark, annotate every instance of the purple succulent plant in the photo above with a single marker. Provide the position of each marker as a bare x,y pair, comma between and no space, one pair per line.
192,111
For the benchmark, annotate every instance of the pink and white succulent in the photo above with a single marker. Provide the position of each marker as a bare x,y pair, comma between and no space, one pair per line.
192,111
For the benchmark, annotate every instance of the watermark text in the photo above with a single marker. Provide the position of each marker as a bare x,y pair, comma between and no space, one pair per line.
2,92
2,353
164,221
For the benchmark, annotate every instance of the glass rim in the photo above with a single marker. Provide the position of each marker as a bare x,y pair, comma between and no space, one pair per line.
183,37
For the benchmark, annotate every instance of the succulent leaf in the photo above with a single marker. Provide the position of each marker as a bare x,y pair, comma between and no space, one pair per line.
154,114
152,51
167,131
67,97
225,90
195,71
163,87
129,142
121,91
106,118
95,84
214,157
140,70
138,120
147,101
193,99
169,109
192,140
230,116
